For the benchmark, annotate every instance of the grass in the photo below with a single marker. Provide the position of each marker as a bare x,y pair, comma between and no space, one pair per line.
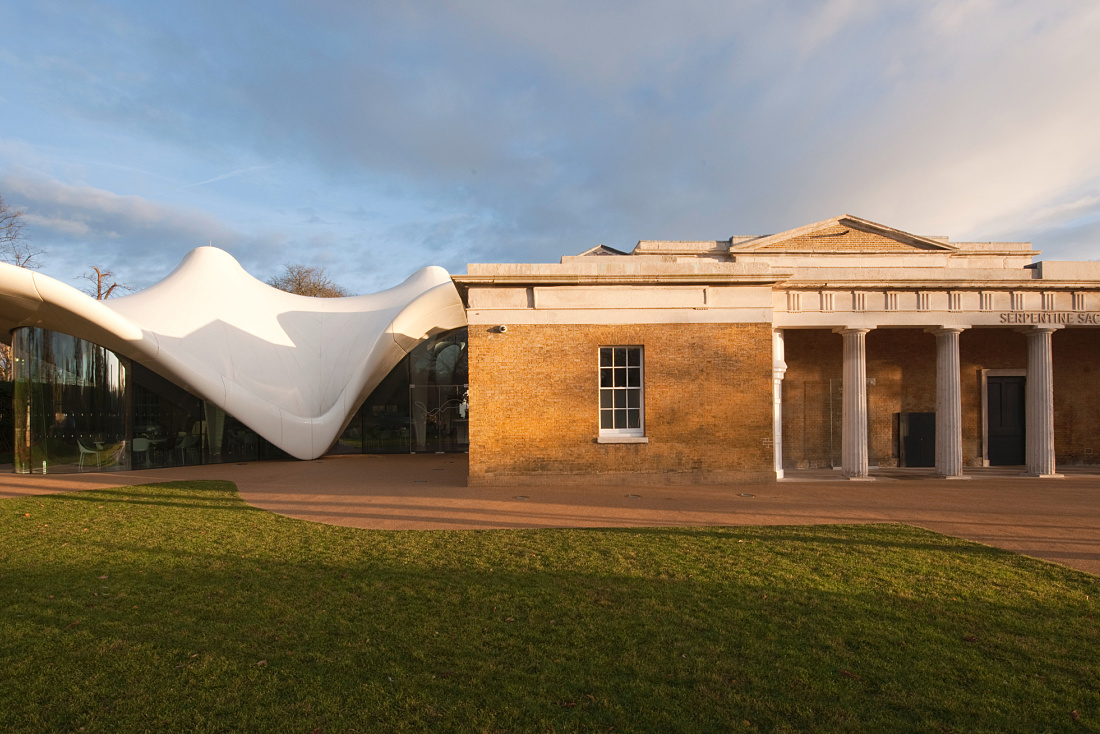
177,607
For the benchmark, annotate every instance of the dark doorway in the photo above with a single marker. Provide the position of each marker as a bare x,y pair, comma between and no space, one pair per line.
1006,420
918,439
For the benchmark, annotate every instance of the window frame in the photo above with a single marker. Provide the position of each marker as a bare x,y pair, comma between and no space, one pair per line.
621,434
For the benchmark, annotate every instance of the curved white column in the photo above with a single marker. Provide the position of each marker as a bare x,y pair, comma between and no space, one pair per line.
853,442
1040,403
293,369
949,457
779,368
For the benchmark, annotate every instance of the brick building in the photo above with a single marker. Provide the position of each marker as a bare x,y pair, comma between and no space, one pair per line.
843,344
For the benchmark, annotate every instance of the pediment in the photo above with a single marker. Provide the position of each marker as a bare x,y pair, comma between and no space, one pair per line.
601,251
844,235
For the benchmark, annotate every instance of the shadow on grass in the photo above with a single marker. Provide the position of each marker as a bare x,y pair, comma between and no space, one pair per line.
167,614
318,644
191,495
897,536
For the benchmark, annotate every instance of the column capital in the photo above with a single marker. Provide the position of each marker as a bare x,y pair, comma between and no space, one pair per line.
1041,329
946,329
852,329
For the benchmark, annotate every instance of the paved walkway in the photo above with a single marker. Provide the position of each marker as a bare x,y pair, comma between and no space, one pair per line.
1055,519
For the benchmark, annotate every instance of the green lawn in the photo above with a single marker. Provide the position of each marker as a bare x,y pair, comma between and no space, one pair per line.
177,607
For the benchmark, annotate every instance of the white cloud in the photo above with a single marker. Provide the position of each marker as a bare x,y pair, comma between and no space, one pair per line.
525,130
81,226
95,213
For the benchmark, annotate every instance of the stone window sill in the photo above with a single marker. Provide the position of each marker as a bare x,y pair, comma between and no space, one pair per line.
623,439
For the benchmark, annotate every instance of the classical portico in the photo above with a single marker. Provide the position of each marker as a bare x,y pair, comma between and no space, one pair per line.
883,293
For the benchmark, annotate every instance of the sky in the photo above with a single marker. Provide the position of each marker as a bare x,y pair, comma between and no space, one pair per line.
375,138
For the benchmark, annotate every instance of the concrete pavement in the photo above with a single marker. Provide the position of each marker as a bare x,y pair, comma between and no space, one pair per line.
1054,519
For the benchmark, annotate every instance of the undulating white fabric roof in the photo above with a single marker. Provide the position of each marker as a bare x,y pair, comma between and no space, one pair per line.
292,368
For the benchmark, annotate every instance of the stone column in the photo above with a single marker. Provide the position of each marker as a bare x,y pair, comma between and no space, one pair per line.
853,441
1040,403
949,458
779,368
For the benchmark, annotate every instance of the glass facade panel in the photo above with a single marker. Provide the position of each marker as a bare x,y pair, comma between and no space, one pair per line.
439,403
351,440
7,424
70,403
167,422
385,414
225,439
422,405
80,407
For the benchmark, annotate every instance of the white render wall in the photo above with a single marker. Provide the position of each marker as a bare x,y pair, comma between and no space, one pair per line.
292,368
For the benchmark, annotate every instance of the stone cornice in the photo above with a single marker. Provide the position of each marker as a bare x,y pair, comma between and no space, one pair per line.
937,285
621,279
953,254
522,280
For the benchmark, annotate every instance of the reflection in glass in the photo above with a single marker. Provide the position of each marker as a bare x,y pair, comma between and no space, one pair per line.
80,407
226,438
438,395
71,404
168,418
421,405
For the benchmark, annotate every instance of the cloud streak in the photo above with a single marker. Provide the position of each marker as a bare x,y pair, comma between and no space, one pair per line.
492,130
229,175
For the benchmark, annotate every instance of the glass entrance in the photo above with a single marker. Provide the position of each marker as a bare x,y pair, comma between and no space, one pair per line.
421,406
440,418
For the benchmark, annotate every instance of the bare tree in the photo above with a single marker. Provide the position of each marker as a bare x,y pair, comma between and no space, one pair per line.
98,281
307,280
14,247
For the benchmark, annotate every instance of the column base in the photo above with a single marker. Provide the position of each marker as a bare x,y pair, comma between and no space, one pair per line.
952,476
1042,476
860,479
778,473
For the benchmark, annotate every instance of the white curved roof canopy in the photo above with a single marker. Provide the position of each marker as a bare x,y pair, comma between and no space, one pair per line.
292,368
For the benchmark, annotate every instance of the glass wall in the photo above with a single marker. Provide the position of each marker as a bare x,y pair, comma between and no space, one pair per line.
225,439
80,407
439,406
7,423
77,406
167,422
422,405
71,404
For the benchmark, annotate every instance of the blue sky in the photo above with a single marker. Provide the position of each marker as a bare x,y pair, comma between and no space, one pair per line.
376,138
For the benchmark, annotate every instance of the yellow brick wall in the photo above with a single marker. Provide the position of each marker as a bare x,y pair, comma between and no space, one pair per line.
534,396
1076,359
